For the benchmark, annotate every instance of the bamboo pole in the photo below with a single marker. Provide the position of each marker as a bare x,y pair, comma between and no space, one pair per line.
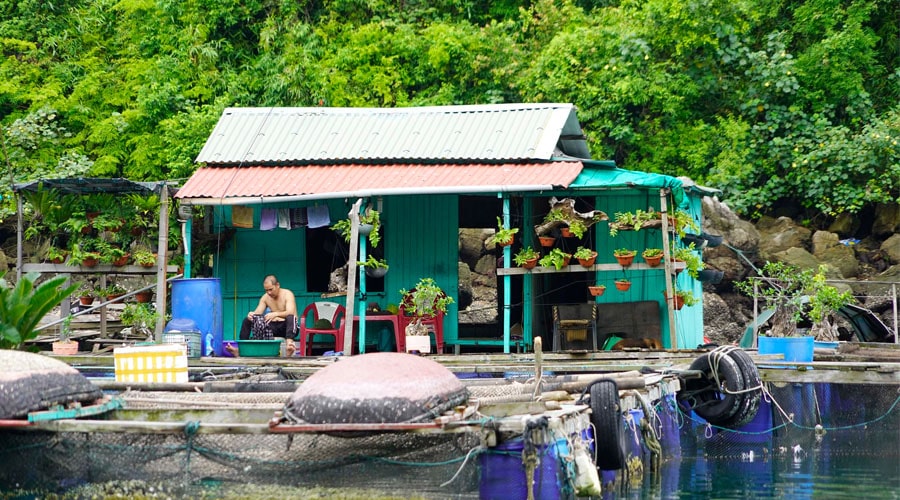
351,277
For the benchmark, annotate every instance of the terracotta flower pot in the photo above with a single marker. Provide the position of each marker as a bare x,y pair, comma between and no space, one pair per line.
85,301
90,262
144,297
653,261
623,286
597,290
65,348
677,303
588,262
547,241
121,261
625,260
565,232
114,298
530,263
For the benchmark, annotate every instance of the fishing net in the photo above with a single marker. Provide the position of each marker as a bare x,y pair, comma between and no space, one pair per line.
185,458
800,418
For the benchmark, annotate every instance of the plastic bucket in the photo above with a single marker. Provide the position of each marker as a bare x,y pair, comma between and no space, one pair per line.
798,349
200,300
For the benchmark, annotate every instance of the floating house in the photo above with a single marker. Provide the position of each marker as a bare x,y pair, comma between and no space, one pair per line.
272,182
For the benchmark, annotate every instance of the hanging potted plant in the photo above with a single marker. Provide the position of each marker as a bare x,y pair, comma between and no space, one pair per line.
689,258
586,257
596,290
624,256
652,256
526,258
623,284
556,259
682,298
503,236
375,268
546,240
369,226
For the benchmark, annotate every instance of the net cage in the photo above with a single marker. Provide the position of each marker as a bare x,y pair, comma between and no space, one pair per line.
797,419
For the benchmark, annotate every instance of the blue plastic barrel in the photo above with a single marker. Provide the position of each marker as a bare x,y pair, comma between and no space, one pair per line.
200,299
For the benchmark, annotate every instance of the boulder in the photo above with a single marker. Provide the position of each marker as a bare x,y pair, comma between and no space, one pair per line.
887,219
719,219
891,248
472,244
779,235
845,224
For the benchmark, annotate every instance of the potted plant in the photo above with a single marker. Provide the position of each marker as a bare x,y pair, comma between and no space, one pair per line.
690,258
798,297
57,255
632,221
426,300
65,346
112,292
596,290
143,296
624,256
682,221
86,296
504,235
140,317
369,225
547,240
556,258
144,258
682,298
114,255
84,254
526,258
652,256
586,257
623,284
375,267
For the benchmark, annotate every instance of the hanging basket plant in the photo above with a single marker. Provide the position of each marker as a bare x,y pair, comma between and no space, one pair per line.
586,257
624,256
623,284
526,258
596,290
652,256
503,236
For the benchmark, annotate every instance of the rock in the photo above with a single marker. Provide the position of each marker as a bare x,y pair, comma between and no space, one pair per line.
719,219
779,235
844,224
472,244
887,219
891,248
725,317
797,257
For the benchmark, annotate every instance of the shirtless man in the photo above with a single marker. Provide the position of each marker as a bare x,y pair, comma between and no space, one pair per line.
278,322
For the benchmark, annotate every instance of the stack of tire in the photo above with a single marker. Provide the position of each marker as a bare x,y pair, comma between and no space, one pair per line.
728,390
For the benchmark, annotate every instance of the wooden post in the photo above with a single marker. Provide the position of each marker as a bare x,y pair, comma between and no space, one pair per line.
161,261
351,277
670,289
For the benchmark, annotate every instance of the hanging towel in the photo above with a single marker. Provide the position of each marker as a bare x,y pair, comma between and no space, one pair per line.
242,216
284,218
267,219
318,216
298,217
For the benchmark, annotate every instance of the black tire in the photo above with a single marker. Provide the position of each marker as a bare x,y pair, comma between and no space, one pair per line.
713,403
609,433
750,400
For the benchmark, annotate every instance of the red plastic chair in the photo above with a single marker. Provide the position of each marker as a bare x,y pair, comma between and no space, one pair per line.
333,312
435,324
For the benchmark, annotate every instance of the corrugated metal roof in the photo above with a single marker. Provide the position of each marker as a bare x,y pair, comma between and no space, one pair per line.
486,133
264,184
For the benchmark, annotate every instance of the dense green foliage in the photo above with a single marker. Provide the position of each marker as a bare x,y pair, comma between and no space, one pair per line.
24,305
772,101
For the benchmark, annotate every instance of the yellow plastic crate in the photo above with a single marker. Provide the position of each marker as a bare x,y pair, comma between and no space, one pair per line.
155,363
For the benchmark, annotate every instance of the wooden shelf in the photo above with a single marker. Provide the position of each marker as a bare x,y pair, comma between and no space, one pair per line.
577,268
103,268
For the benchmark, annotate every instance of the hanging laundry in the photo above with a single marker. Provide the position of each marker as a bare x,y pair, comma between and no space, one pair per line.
298,218
318,216
284,218
242,216
267,219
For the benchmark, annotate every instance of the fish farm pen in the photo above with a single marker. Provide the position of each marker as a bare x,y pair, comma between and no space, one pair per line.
550,425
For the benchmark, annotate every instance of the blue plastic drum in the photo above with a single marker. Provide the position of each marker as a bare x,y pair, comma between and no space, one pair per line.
200,300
